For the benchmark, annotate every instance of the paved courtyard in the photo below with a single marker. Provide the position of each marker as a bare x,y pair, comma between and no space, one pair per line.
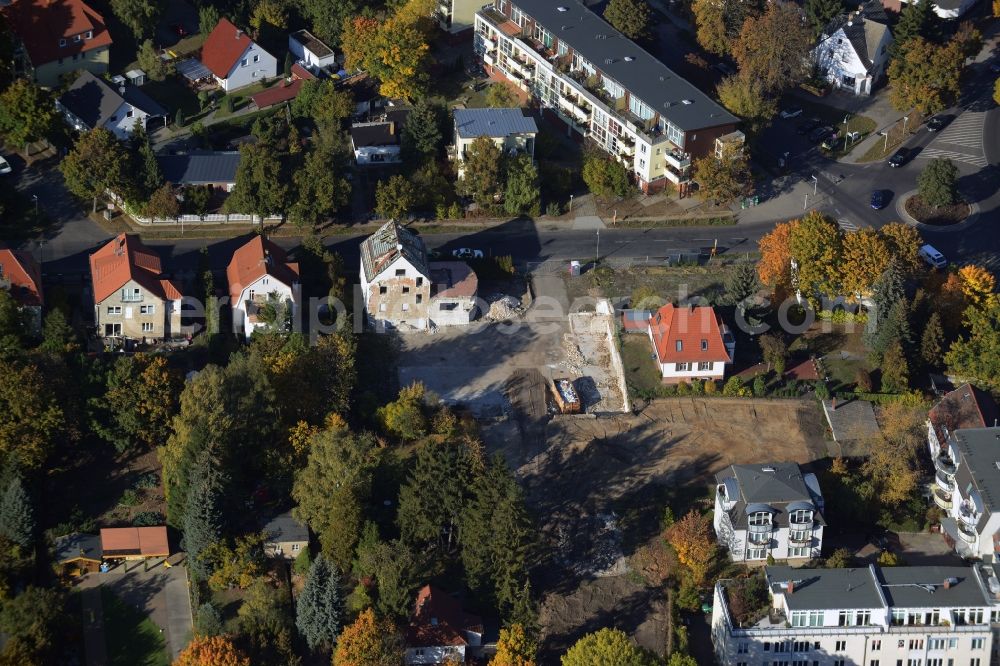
161,593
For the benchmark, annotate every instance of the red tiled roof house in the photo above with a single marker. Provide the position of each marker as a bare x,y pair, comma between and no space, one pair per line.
21,276
441,630
235,60
260,272
56,37
690,343
132,298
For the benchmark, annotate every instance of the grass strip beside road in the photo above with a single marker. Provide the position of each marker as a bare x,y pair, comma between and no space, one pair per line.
645,223
882,149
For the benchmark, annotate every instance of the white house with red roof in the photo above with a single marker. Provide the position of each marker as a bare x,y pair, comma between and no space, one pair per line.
21,276
690,342
235,60
56,37
441,630
259,274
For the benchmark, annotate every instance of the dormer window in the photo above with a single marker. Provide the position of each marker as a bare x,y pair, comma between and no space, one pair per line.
77,39
62,42
704,345
90,34
679,345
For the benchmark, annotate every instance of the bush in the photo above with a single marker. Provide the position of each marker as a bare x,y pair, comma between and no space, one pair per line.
863,380
553,209
456,212
841,316
759,386
147,481
606,177
208,622
441,211
733,386
822,392
147,519
697,387
682,388
711,387
227,104
129,498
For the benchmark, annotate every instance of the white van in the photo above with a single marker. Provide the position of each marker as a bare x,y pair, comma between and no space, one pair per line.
932,256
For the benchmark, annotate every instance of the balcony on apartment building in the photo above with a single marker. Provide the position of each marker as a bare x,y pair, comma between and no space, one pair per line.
499,21
579,109
759,538
942,498
678,160
800,536
944,481
945,465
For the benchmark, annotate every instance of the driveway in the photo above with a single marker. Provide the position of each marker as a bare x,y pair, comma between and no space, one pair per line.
162,593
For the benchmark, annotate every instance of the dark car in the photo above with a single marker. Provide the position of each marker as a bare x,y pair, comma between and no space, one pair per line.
820,134
807,126
899,158
879,199
935,123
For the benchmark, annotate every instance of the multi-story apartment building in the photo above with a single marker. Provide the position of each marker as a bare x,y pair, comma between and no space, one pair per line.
967,487
771,509
603,86
900,616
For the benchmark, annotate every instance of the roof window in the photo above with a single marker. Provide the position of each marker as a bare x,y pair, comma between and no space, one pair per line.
704,344
62,42
679,345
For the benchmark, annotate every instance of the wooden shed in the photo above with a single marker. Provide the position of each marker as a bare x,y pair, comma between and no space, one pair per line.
134,543
78,554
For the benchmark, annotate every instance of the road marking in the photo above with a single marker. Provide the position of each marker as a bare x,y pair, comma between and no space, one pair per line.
846,225
934,153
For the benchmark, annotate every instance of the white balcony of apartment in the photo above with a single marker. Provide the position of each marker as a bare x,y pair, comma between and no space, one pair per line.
945,465
499,21
967,532
942,498
800,536
944,481
678,159
578,108
490,58
759,538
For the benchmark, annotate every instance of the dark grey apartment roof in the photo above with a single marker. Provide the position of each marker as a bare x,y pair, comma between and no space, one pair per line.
979,449
311,42
496,123
93,100
389,243
284,528
823,589
778,487
634,68
201,168
923,587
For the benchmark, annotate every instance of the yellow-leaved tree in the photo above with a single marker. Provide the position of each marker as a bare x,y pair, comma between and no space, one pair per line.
816,244
866,256
775,266
514,648
978,285
691,537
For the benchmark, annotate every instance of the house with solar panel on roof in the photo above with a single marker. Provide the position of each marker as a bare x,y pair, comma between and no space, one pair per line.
402,289
513,132
769,509
853,51
234,60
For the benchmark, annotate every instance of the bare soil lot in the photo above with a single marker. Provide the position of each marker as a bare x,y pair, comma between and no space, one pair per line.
599,487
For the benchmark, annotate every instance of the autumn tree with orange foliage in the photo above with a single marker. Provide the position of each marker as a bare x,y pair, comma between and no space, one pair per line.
904,244
978,285
514,648
369,642
211,651
691,538
774,268
866,255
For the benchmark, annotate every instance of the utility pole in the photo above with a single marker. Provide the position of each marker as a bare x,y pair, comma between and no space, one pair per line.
598,259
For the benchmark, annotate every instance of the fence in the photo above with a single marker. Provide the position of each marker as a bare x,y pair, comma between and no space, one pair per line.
211,218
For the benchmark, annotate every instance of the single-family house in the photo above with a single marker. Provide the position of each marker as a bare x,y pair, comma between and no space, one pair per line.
235,60
440,630
365,91
56,37
511,130
690,342
853,50
286,537
402,289
133,299
768,510
964,407
21,276
215,168
92,102
260,275
310,51
377,143
77,554
285,91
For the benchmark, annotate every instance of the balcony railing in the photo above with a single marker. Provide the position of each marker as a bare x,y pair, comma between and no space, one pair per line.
680,161
967,532
500,21
800,537
945,466
945,483
967,517
942,499
759,538
762,528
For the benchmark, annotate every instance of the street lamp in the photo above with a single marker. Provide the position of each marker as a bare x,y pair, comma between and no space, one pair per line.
845,132
905,118
885,148
815,183
34,197
571,203
598,259
805,201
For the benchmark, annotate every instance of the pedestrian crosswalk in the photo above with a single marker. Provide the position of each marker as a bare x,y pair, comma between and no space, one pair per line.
961,141
846,225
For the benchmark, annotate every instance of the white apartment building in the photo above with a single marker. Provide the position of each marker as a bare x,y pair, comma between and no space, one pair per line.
602,86
967,487
899,616
770,509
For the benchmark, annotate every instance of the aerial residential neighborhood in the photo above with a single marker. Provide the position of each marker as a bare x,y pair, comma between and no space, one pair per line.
499,333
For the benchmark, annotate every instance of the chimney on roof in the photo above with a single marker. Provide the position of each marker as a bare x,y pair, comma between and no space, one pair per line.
121,89
791,587
239,33
947,583
392,128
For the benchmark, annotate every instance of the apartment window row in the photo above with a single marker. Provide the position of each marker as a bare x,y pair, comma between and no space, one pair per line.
703,366
852,618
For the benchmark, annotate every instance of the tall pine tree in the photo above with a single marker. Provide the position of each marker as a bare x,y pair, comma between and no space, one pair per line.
421,136
318,610
917,19
17,517
821,12
932,342
887,291
203,514
147,171
433,500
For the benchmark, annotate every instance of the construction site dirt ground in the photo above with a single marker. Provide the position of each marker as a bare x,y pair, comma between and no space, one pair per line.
474,366
599,487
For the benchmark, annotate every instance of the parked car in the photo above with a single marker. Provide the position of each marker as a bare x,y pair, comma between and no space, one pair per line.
820,134
5,167
467,253
929,254
807,126
792,112
935,123
899,158
830,142
879,199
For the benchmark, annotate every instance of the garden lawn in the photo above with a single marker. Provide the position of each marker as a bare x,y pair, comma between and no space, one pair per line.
641,375
132,638
172,94
241,98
